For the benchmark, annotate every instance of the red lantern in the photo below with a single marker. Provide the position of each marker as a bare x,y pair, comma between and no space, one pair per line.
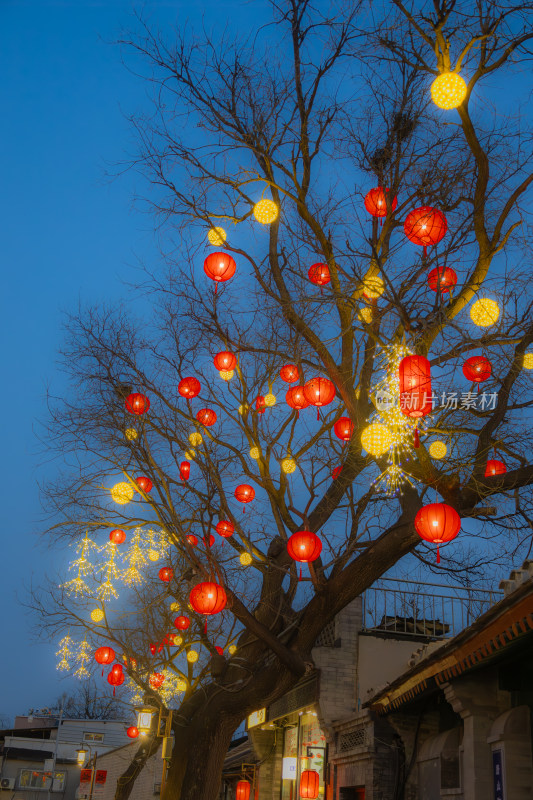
289,373
144,483
244,494
242,792
156,680
116,669
132,732
206,416
192,539
376,202
304,546
115,679
166,574
309,784
477,369
220,650
225,528
182,623
319,274
185,471
425,226
495,467
104,655
415,388
225,360
209,541
219,267
208,598
137,403
437,523
189,387
442,279
260,404
319,392
344,428
153,649
336,472
117,536
295,398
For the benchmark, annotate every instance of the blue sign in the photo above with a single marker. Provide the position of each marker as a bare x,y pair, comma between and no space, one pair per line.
497,774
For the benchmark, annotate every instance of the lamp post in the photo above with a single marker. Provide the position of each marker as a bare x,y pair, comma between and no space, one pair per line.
145,715
80,760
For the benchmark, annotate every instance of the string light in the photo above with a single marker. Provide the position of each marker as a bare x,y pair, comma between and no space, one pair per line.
135,559
216,236
109,573
83,657
77,586
65,653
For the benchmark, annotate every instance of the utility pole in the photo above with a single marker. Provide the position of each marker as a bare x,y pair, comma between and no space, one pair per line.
54,756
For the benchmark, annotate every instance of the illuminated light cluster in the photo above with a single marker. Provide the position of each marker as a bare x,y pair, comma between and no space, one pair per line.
226,374
528,361
270,400
485,312
190,455
437,449
288,465
83,657
448,90
216,236
192,656
109,572
131,434
195,439
376,439
373,287
365,315
65,653
265,211
83,566
232,649
245,559
135,559
122,493
97,615
255,453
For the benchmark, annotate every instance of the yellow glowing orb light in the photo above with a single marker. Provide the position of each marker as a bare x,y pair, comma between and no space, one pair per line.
131,434
190,455
97,615
288,465
528,361
232,649
226,374
437,449
255,453
175,639
365,315
192,656
245,559
154,555
376,439
485,312
181,685
175,606
216,236
270,399
122,493
373,287
265,211
195,439
448,90
243,409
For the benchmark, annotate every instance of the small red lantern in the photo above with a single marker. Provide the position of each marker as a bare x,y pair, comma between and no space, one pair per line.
242,791
116,677
166,574
192,539
225,528
206,416
319,274
477,369
116,669
132,732
260,404
415,388
344,428
289,373
244,494
209,541
309,784
208,598
189,387
437,523
296,398
495,467
304,546
376,202
104,655
219,267
319,392
225,360
220,650
442,279
182,623
185,471
117,536
153,649
144,483
336,472
425,226
156,680
137,403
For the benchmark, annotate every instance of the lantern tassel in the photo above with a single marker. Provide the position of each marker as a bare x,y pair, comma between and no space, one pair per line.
438,554
114,687
300,576
102,672
417,439
205,626
425,252
216,287
317,412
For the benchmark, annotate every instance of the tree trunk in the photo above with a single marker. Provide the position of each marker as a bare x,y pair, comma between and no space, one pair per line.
126,782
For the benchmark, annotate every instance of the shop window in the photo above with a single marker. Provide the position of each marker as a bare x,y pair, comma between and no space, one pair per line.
304,747
37,779
89,736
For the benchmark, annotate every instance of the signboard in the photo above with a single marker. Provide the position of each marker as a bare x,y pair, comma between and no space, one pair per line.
497,774
85,778
257,718
99,782
288,769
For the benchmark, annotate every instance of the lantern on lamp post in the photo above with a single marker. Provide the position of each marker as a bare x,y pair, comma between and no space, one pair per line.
144,719
81,756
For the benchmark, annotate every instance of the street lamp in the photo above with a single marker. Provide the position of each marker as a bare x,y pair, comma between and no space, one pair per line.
82,756
144,719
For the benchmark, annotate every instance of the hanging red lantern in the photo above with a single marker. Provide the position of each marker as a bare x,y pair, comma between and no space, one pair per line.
209,541
220,650
242,791
117,536
319,392
208,598
319,274
415,388
115,678
289,373
442,279
336,472
304,546
437,523
376,202
104,655
295,398
182,623
309,784
156,680
260,404
495,467
137,403
344,428
189,387
192,539
166,574
425,226
477,369
225,528
144,483
153,649
132,732
116,669
185,471
219,267
225,360
244,494
206,416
